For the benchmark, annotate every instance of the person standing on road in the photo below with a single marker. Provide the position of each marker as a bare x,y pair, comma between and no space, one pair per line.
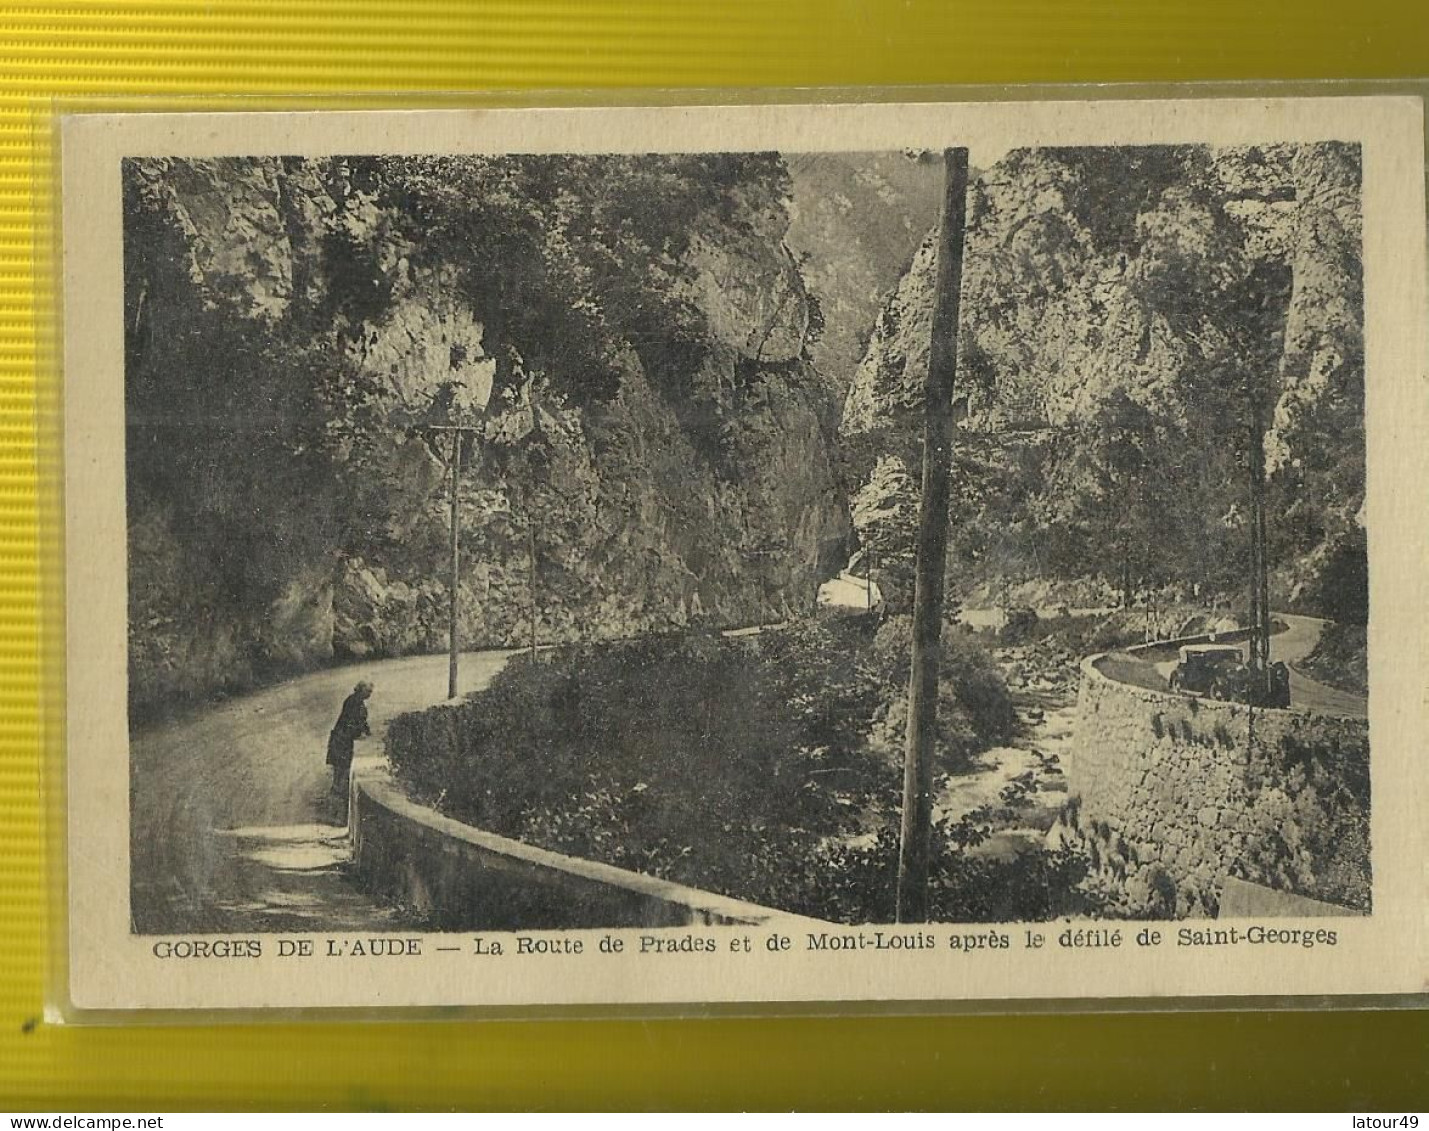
350,726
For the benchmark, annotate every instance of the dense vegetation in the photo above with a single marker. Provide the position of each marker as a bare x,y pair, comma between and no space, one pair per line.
654,348
1123,311
630,335
652,352
763,767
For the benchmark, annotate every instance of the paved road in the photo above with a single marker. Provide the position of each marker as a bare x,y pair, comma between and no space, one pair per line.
1291,646
233,827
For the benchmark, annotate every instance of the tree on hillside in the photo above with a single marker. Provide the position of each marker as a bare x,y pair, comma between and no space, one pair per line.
295,326
1174,293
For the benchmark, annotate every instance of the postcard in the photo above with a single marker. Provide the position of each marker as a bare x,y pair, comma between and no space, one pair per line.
923,552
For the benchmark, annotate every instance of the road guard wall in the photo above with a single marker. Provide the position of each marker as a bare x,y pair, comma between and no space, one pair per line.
1172,794
456,877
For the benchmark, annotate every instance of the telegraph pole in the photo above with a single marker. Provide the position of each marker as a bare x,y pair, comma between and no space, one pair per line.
1263,313
538,459
1259,563
531,563
459,432
456,563
914,849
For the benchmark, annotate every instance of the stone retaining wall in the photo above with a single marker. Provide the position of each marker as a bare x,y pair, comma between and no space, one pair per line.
1172,794
456,877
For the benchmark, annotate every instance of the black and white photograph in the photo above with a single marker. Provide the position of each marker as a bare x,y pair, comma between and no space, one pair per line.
645,437
834,544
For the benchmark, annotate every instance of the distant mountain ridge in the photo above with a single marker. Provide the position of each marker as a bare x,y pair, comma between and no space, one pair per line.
856,219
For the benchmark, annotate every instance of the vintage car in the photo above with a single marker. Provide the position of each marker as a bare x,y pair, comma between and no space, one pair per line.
1221,672
1216,670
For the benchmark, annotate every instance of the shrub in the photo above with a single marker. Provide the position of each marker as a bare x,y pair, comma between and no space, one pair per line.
693,757
1312,817
859,883
1341,658
975,707
744,766
1021,623
1340,591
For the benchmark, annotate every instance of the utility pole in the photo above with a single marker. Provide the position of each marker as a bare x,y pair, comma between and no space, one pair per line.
538,460
914,849
1259,563
456,564
531,562
1264,312
459,433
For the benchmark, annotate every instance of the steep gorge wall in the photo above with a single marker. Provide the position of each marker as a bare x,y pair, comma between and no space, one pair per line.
1172,794
284,315
1091,280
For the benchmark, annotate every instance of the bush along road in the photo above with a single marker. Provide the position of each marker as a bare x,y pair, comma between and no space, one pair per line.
235,825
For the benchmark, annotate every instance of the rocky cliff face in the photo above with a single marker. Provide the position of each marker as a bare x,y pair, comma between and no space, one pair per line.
887,386
1108,324
857,219
646,455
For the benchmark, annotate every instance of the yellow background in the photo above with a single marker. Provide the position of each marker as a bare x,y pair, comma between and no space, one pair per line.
1361,1061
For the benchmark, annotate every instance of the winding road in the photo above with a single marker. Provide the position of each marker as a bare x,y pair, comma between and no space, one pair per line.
1291,646
233,826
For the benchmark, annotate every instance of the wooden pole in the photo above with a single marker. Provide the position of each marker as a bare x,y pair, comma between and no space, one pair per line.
1259,564
531,561
914,847
456,564
532,580
1262,557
